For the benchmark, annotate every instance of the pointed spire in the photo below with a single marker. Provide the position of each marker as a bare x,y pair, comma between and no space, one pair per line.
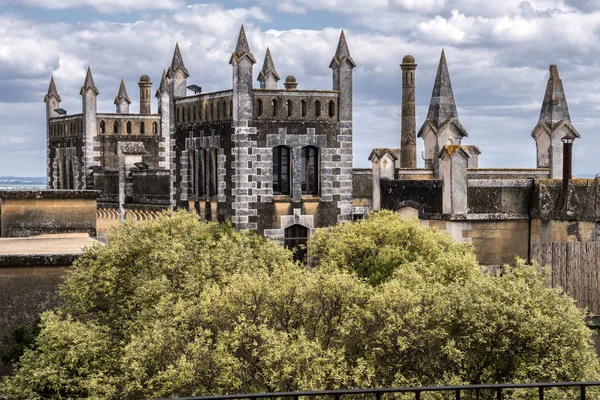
554,107
89,83
268,68
342,53
122,95
442,105
52,92
242,48
177,62
163,87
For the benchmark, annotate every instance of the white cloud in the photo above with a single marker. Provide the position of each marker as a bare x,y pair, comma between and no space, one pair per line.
103,6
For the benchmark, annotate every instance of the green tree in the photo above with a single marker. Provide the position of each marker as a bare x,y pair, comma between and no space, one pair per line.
176,307
382,245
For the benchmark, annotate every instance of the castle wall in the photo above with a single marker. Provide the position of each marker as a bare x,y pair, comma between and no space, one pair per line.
26,213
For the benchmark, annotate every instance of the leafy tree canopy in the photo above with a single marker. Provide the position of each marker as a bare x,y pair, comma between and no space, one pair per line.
177,307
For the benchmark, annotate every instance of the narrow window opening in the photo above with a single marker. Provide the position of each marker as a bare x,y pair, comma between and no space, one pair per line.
274,105
128,127
155,127
310,170
317,108
102,127
303,108
142,127
116,127
331,109
289,108
281,170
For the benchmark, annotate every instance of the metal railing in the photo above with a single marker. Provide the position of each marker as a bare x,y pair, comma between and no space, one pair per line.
378,392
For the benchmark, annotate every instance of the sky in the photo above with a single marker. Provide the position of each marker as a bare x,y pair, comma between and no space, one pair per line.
498,55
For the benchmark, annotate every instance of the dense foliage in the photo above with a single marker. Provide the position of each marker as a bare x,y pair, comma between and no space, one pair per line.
177,307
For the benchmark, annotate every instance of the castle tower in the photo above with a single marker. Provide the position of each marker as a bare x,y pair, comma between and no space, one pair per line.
122,101
89,93
52,100
162,94
268,76
178,74
553,125
145,85
242,60
342,65
442,126
408,136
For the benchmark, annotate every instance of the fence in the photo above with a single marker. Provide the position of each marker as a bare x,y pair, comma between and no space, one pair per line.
575,267
497,392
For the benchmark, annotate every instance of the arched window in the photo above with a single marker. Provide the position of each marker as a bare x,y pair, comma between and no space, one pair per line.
275,106
102,127
206,115
142,127
331,109
218,110
116,127
179,114
289,108
129,127
155,127
183,114
295,239
260,107
281,170
214,177
194,107
317,108
303,102
224,109
189,114
230,107
212,111
310,170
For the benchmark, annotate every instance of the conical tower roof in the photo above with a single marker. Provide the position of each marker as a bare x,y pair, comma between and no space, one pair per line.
268,68
122,95
442,105
52,92
342,53
177,62
89,83
242,48
163,87
554,107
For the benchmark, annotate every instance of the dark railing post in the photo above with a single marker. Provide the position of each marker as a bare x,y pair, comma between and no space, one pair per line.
457,394
499,394
582,391
418,395
377,395
541,393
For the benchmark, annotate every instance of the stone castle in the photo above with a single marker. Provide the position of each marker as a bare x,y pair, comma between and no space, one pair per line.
278,161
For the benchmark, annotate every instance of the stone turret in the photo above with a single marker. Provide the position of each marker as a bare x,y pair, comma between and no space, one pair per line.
408,137
268,76
178,74
242,60
52,100
122,101
442,126
454,161
164,100
145,85
342,65
89,93
553,125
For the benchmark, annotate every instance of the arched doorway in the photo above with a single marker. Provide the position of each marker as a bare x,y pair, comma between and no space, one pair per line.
295,239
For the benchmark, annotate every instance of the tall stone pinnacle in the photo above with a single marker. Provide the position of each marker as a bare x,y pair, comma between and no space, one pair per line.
52,92
122,95
163,87
342,53
554,106
408,135
242,48
177,62
89,83
442,105
268,76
